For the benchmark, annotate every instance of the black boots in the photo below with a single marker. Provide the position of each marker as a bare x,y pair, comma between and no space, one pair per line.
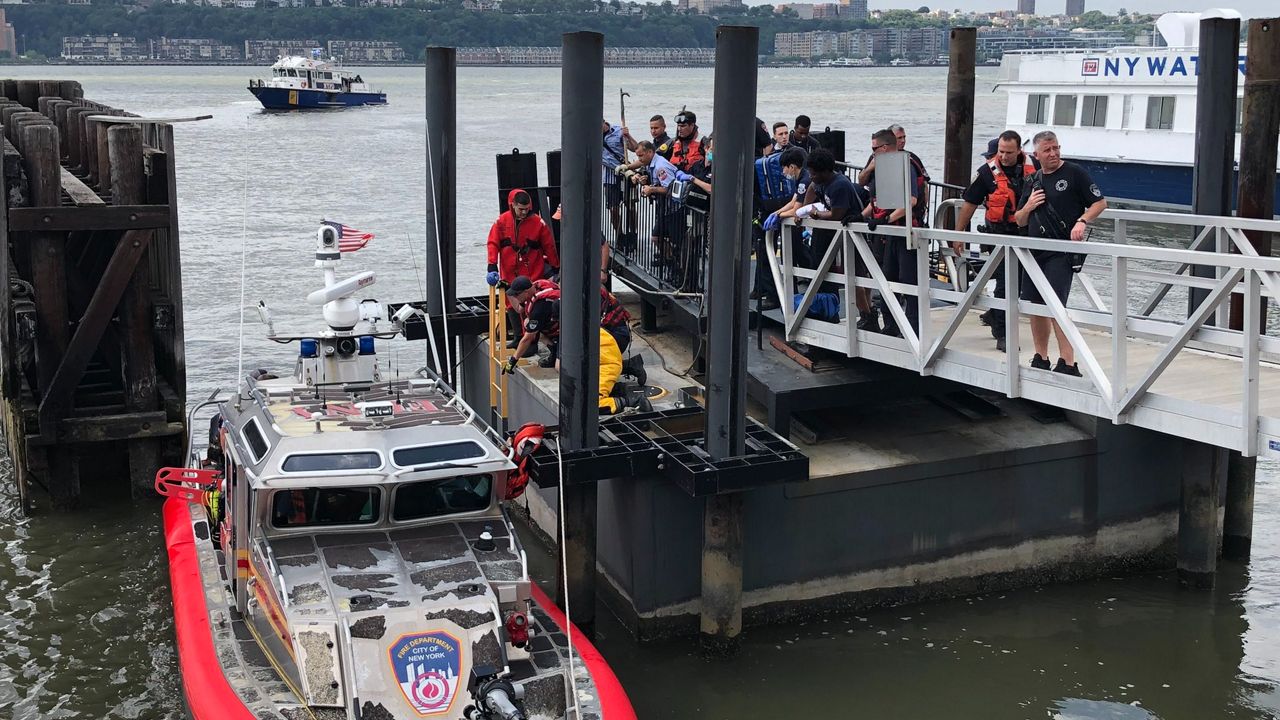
634,366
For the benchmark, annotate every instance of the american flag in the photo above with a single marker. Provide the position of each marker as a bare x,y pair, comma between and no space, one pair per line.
349,238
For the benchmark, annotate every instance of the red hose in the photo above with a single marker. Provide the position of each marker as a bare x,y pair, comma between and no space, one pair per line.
614,703
209,695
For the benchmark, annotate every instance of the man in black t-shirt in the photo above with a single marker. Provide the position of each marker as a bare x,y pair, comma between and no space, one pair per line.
996,187
800,136
1058,203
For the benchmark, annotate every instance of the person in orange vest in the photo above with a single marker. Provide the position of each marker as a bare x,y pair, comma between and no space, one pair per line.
996,186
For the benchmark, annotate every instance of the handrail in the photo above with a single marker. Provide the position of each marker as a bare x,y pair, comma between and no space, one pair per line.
1107,390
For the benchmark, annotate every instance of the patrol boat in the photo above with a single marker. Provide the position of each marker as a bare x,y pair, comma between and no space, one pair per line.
300,82
338,548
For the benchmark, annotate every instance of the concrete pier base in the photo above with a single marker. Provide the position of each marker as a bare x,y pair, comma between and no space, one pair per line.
721,626
1203,467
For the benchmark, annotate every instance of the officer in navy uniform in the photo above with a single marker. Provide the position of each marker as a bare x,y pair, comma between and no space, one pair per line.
997,186
1059,202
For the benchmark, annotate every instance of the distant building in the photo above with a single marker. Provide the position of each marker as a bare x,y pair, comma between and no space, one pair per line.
706,7
855,9
823,43
1026,7
804,11
192,50
8,41
910,43
78,2
103,47
615,56
267,51
1075,8
826,11
366,51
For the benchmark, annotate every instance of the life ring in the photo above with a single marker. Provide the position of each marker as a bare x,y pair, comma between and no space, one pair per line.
304,84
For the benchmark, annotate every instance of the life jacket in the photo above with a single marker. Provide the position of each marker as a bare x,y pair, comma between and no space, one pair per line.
527,439
526,247
612,313
1002,203
771,182
542,290
686,153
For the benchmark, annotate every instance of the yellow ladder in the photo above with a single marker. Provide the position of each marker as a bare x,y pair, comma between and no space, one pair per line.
498,355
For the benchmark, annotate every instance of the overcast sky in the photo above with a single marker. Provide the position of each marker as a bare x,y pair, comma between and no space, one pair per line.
1247,8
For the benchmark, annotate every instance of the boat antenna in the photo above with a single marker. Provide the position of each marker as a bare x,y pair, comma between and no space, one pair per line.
435,215
244,245
413,258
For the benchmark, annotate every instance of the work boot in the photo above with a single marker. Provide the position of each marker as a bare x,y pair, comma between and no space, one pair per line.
988,318
997,328
549,361
634,366
1040,363
1062,367
1000,344
869,321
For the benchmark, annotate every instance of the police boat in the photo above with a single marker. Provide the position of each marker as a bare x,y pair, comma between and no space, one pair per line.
338,547
301,82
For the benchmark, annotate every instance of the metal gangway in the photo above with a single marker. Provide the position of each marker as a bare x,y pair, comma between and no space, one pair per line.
1145,359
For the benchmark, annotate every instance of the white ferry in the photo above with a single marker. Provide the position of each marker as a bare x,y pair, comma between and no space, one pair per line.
302,82
1127,115
847,62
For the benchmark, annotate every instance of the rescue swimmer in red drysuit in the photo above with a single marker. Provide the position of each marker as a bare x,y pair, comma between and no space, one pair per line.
520,243
540,308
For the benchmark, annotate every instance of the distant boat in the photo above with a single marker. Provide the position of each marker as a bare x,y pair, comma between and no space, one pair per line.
847,62
301,82
900,62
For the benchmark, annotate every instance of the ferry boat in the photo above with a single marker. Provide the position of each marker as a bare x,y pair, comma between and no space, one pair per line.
847,62
1127,115
301,82
338,548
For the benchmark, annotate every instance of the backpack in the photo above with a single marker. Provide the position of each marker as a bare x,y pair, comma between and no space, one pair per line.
825,306
771,184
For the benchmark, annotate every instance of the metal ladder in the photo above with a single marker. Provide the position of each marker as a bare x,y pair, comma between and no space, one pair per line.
498,354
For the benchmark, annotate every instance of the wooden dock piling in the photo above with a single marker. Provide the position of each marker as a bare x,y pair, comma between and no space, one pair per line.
92,364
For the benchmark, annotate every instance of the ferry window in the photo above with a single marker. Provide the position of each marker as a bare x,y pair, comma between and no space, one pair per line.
1094,111
444,452
257,443
309,507
1064,110
433,498
1160,112
321,462
1037,109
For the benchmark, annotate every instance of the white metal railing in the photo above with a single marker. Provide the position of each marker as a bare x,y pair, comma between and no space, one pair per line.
1108,392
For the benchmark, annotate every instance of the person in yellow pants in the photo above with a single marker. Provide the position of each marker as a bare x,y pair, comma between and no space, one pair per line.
610,369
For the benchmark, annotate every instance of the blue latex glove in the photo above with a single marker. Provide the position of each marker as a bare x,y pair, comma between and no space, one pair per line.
492,278
771,222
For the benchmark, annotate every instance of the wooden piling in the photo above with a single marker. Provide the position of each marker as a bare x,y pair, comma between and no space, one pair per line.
10,89
113,381
958,150
1259,130
1203,470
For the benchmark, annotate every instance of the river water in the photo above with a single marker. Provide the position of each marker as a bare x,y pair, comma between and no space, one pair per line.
84,609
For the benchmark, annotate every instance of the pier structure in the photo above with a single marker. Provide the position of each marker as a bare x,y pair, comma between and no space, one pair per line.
93,369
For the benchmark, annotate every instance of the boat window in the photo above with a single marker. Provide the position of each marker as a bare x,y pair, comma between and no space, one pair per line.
1064,110
257,443
322,462
293,73
310,507
1094,111
446,496
1160,112
444,452
1037,109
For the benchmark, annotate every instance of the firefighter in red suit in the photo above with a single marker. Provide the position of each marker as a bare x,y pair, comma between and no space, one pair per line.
520,243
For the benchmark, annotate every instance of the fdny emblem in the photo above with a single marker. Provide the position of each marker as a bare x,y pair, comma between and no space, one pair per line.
1089,66
427,666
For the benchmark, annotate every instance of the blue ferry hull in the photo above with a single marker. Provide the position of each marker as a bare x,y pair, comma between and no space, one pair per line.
286,99
1147,184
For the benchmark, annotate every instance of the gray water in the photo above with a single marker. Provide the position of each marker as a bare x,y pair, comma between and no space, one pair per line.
84,614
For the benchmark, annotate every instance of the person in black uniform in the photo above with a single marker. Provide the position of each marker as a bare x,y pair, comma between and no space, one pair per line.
997,186
1058,203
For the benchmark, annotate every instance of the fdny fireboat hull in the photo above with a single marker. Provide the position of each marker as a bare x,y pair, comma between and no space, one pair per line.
292,99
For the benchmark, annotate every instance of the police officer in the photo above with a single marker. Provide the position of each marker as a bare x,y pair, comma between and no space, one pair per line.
996,186
899,263
1059,202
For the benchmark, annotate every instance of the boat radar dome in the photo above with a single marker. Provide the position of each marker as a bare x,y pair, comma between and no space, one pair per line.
1182,29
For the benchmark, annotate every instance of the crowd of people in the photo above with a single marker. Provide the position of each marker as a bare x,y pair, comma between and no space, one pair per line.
1022,192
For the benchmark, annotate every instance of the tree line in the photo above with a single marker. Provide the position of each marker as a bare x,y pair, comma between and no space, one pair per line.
414,28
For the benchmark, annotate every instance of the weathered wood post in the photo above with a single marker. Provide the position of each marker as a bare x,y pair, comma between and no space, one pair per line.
582,103
49,282
29,93
1259,131
727,287
128,187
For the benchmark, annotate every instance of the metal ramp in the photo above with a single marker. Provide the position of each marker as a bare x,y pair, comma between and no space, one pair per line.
1151,366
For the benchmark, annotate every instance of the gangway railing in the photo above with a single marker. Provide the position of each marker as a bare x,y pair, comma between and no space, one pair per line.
1229,412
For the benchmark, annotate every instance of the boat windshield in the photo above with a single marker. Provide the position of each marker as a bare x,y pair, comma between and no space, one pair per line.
442,496
311,507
